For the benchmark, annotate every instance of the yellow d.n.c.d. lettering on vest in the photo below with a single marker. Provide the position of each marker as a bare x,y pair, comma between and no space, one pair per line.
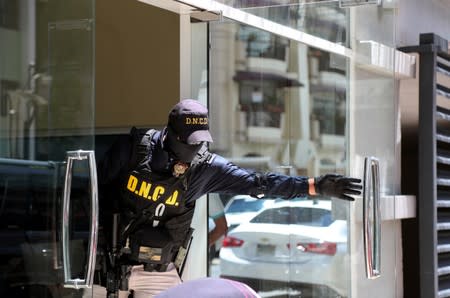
132,183
159,190
196,120
172,200
149,191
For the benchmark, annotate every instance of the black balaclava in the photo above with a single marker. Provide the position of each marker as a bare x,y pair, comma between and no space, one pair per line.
178,150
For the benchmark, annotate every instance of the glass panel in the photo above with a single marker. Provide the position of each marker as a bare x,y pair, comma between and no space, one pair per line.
324,19
281,106
46,104
374,121
282,109
374,118
71,109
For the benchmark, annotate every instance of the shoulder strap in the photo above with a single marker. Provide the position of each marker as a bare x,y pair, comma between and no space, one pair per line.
142,140
203,156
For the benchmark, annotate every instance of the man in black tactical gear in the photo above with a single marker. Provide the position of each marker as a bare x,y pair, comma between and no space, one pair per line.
150,181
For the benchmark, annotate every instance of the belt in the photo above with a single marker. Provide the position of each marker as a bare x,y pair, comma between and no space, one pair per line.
153,259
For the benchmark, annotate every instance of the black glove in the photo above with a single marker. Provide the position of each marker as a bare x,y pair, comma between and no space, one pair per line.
338,186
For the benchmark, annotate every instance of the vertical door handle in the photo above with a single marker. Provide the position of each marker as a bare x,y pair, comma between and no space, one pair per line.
372,217
86,282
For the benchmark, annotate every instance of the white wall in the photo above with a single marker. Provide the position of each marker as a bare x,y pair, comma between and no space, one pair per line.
422,16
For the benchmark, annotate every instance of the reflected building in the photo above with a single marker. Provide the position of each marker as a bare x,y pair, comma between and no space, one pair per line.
284,101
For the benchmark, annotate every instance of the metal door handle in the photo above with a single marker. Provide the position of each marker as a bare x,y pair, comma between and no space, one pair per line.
372,217
89,273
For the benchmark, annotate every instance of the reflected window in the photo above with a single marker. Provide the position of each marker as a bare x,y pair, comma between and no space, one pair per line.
263,81
328,85
293,215
239,206
262,44
263,105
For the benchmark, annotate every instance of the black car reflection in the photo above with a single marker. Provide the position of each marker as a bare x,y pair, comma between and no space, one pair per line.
30,221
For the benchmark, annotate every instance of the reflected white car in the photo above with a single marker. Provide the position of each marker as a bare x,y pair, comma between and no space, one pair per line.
241,208
289,243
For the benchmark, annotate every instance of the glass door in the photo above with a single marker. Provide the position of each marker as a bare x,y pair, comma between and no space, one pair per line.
286,106
48,179
287,113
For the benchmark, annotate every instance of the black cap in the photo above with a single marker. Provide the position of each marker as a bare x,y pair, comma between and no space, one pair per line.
189,120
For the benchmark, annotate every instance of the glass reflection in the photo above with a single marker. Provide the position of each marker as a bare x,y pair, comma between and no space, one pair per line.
283,110
46,108
321,18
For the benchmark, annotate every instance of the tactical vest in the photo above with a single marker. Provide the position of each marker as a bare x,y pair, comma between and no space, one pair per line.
160,197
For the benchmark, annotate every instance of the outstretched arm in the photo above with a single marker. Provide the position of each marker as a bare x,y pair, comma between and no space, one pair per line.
225,177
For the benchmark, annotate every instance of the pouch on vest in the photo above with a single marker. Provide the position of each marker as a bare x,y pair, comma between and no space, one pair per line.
153,247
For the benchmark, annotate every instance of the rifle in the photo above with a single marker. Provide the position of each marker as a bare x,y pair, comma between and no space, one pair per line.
117,274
